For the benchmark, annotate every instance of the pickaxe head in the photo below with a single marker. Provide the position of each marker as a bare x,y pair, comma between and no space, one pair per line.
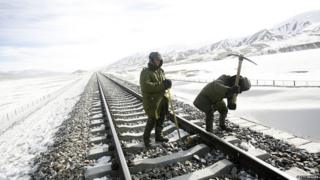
241,57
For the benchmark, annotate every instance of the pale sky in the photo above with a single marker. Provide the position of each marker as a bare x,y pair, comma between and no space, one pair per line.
65,35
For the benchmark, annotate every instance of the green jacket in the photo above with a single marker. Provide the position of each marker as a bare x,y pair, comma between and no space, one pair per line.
153,91
211,95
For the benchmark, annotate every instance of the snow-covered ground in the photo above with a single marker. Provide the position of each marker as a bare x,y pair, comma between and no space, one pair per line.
294,110
282,66
31,135
23,96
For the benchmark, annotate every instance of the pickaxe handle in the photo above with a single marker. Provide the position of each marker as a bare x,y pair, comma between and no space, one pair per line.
174,114
241,58
234,98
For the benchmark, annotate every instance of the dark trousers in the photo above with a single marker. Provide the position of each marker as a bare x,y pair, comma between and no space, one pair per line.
222,109
157,123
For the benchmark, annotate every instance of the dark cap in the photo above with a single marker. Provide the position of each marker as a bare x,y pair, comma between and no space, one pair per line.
154,56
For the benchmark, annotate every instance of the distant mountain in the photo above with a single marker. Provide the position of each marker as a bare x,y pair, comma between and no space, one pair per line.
79,71
27,74
263,35
225,44
306,25
303,22
297,33
135,60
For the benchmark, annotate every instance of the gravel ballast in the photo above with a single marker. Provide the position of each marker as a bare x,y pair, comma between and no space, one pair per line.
65,158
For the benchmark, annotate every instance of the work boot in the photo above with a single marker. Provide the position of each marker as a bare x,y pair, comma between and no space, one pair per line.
222,122
209,121
159,127
160,137
147,131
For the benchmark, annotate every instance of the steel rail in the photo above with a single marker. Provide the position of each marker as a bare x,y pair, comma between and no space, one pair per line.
260,167
120,156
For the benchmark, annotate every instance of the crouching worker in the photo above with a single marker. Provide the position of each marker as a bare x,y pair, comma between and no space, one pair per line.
153,86
210,99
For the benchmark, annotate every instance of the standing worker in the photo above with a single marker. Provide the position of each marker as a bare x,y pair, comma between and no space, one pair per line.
153,86
210,99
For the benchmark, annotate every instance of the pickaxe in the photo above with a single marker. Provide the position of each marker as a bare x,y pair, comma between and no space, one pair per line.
241,58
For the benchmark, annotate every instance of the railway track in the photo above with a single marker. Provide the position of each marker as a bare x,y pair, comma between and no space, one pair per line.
117,124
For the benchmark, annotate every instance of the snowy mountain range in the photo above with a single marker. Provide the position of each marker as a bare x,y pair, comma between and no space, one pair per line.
309,21
297,33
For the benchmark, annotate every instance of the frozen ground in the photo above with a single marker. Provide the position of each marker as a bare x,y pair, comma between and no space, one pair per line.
294,110
21,97
25,139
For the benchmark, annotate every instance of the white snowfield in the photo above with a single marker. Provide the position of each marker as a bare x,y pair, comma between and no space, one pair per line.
31,135
21,97
294,110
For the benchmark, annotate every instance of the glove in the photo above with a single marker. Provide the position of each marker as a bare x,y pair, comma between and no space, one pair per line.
167,83
233,90
231,105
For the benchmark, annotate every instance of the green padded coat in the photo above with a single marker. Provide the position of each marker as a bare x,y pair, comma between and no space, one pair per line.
212,96
153,91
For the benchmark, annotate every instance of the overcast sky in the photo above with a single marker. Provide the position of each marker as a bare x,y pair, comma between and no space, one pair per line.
65,35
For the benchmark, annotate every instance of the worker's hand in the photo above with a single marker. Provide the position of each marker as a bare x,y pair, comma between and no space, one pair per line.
233,90
232,106
167,83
